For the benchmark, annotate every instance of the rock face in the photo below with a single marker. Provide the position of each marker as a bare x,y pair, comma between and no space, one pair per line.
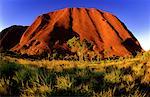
11,36
103,29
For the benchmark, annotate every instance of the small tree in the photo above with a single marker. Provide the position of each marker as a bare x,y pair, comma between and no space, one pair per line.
80,47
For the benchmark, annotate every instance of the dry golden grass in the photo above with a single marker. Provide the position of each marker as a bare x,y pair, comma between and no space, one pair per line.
136,63
128,74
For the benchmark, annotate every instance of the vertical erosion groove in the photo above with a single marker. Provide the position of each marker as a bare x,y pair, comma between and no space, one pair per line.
117,33
127,29
87,11
71,32
71,20
44,21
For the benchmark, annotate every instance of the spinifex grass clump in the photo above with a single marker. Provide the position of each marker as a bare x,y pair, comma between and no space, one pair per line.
128,77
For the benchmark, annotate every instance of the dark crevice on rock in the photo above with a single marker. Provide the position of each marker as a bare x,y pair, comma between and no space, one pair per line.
94,25
112,27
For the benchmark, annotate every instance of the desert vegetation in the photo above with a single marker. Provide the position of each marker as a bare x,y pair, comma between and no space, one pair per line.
97,78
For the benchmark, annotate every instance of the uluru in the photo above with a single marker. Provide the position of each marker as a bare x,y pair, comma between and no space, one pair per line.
102,29
74,48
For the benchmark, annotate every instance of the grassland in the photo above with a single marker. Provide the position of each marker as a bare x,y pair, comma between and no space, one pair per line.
104,78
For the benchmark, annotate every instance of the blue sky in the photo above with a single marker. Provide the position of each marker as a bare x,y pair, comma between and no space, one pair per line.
134,13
